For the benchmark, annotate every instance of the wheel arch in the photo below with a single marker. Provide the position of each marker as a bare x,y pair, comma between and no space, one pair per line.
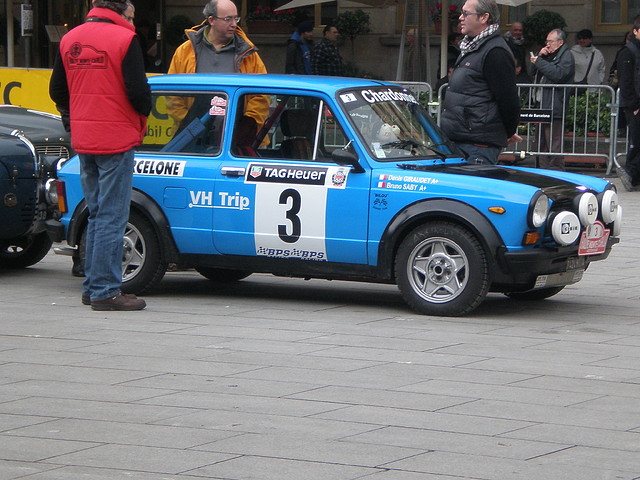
141,203
440,209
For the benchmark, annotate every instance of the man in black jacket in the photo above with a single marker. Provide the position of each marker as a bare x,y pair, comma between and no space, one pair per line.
299,48
554,64
482,109
629,82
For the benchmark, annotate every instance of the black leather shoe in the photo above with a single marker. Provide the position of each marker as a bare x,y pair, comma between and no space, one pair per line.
120,302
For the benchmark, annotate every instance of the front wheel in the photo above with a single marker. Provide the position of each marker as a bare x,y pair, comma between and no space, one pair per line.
441,269
24,252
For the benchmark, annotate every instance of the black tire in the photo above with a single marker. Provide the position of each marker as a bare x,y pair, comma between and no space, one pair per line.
222,275
24,252
441,269
539,294
142,264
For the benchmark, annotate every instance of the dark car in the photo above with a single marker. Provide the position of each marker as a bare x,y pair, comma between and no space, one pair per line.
43,129
27,200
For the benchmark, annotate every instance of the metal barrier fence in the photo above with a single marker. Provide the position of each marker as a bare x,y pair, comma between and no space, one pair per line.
588,122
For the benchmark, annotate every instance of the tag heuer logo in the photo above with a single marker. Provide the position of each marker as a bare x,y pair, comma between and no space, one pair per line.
255,172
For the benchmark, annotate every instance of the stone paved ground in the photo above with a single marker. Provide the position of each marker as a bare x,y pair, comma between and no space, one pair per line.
282,379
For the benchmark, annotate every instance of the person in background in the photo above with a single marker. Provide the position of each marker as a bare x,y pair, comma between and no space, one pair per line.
299,48
629,82
482,109
553,65
613,71
325,58
589,61
98,84
445,80
517,43
130,13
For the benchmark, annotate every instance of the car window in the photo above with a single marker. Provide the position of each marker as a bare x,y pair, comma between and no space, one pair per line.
296,127
192,123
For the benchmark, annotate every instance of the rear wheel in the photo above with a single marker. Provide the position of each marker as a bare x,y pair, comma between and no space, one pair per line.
222,275
24,252
142,264
539,294
441,269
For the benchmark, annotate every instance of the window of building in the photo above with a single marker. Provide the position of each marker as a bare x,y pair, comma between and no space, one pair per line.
616,15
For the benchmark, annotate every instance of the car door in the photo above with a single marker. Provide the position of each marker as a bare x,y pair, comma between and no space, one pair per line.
283,197
179,159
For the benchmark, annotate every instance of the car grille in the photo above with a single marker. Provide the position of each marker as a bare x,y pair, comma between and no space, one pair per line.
53,151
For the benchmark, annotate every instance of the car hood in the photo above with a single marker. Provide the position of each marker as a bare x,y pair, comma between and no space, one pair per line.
37,126
555,184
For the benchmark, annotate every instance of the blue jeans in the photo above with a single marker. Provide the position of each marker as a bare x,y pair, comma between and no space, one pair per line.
106,184
480,154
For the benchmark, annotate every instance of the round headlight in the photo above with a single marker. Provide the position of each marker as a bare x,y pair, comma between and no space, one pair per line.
565,228
609,206
50,191
538,214
588,209
617,223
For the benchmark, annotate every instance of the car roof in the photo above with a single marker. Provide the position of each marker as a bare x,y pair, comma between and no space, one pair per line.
305,82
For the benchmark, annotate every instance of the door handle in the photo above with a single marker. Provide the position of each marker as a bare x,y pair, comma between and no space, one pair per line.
233,171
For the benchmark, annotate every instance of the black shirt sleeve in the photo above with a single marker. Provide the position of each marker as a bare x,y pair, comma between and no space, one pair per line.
59,89
500,73
135,79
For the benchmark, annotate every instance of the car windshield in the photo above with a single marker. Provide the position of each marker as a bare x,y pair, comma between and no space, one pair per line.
393,125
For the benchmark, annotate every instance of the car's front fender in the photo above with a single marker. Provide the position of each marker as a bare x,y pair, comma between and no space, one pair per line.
439,209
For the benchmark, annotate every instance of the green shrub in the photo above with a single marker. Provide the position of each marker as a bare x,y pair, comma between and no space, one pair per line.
589,113
537,25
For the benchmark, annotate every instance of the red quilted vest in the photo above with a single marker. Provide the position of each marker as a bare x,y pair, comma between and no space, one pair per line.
102,118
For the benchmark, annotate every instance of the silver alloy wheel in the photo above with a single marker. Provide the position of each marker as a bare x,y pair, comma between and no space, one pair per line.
437,269
133,252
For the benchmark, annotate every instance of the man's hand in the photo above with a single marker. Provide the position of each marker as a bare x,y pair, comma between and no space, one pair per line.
515,138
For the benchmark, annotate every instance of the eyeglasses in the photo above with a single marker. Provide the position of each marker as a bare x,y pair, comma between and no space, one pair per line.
466,14
228,19
550,41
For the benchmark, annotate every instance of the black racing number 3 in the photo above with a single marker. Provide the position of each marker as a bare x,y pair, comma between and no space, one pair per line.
292,216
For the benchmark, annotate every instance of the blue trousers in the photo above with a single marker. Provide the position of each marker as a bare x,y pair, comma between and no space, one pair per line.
106,185
480,154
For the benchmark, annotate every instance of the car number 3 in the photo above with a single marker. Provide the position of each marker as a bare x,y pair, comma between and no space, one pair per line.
290,222
292,216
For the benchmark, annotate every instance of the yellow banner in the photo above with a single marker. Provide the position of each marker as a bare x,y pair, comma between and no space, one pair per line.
27,87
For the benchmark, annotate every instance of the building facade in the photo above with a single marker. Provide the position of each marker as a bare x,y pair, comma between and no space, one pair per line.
160,24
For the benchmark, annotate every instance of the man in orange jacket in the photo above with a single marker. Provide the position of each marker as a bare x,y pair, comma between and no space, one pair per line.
218,45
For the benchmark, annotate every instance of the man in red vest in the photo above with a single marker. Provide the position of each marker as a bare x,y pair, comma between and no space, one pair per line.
100,88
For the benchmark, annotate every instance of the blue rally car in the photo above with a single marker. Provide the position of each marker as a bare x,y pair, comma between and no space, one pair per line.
338,178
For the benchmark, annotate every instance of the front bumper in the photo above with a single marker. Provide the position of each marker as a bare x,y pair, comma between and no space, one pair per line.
543,267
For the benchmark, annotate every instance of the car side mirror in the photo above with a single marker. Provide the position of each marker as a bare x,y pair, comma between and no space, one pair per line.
347,158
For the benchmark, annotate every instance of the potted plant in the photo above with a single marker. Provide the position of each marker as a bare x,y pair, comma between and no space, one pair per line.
351,24
266,20
453,14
